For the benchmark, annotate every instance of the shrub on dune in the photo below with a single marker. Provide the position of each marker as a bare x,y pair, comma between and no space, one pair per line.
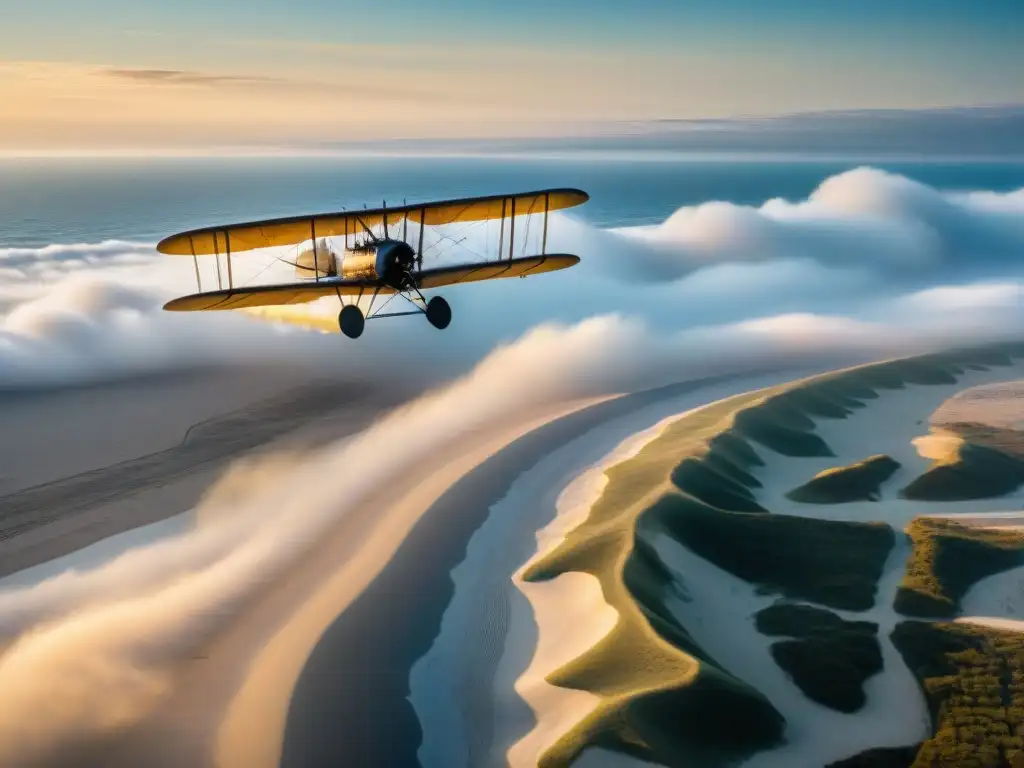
855,482
947,560
972,472
973,680
837,564
828,658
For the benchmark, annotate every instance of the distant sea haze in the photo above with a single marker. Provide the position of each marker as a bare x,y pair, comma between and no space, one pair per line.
937,134
89,200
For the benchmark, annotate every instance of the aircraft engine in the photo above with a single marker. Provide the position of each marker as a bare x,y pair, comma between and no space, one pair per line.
394,260
389,261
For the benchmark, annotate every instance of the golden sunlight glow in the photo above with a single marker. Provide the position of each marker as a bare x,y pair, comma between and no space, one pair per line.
57,104
296,96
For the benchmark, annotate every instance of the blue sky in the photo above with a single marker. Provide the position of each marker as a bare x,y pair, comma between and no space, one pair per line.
929,29
434,68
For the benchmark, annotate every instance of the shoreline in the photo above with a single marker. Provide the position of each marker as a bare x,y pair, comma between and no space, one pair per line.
350,705
474,688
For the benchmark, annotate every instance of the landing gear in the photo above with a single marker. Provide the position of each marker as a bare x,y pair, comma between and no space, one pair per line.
351,321
439,314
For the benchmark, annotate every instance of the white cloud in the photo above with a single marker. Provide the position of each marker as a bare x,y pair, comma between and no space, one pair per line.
91,254
866,245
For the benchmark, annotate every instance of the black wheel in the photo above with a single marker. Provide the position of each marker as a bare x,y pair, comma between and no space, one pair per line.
438,312
351,321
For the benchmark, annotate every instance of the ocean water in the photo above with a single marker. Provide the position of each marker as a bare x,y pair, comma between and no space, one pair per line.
88,200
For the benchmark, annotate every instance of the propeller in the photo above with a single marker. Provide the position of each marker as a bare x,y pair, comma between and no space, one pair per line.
386,236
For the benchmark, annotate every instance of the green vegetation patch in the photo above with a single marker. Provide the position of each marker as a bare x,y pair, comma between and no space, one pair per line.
837,564
972,679
664,698
828,658
856,482
948,559
971,472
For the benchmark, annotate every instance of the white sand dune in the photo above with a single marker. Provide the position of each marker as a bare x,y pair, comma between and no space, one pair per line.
937,444
570,614
719,613
889,424
895,714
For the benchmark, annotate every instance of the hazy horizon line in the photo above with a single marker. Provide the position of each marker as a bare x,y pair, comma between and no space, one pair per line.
631,154
994,131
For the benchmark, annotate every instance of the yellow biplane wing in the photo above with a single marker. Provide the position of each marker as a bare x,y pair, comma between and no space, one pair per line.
248,236
299,293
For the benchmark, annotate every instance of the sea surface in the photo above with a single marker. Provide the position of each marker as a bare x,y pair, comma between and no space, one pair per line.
87,200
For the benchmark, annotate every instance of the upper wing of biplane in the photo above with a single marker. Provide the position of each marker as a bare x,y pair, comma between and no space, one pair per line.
296,229
298,293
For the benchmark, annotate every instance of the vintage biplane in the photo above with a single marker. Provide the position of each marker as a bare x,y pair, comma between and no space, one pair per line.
370,253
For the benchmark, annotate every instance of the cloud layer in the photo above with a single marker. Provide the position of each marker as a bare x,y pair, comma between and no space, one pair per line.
865,247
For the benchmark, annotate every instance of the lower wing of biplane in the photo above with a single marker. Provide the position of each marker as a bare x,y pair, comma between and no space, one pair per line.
369,265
